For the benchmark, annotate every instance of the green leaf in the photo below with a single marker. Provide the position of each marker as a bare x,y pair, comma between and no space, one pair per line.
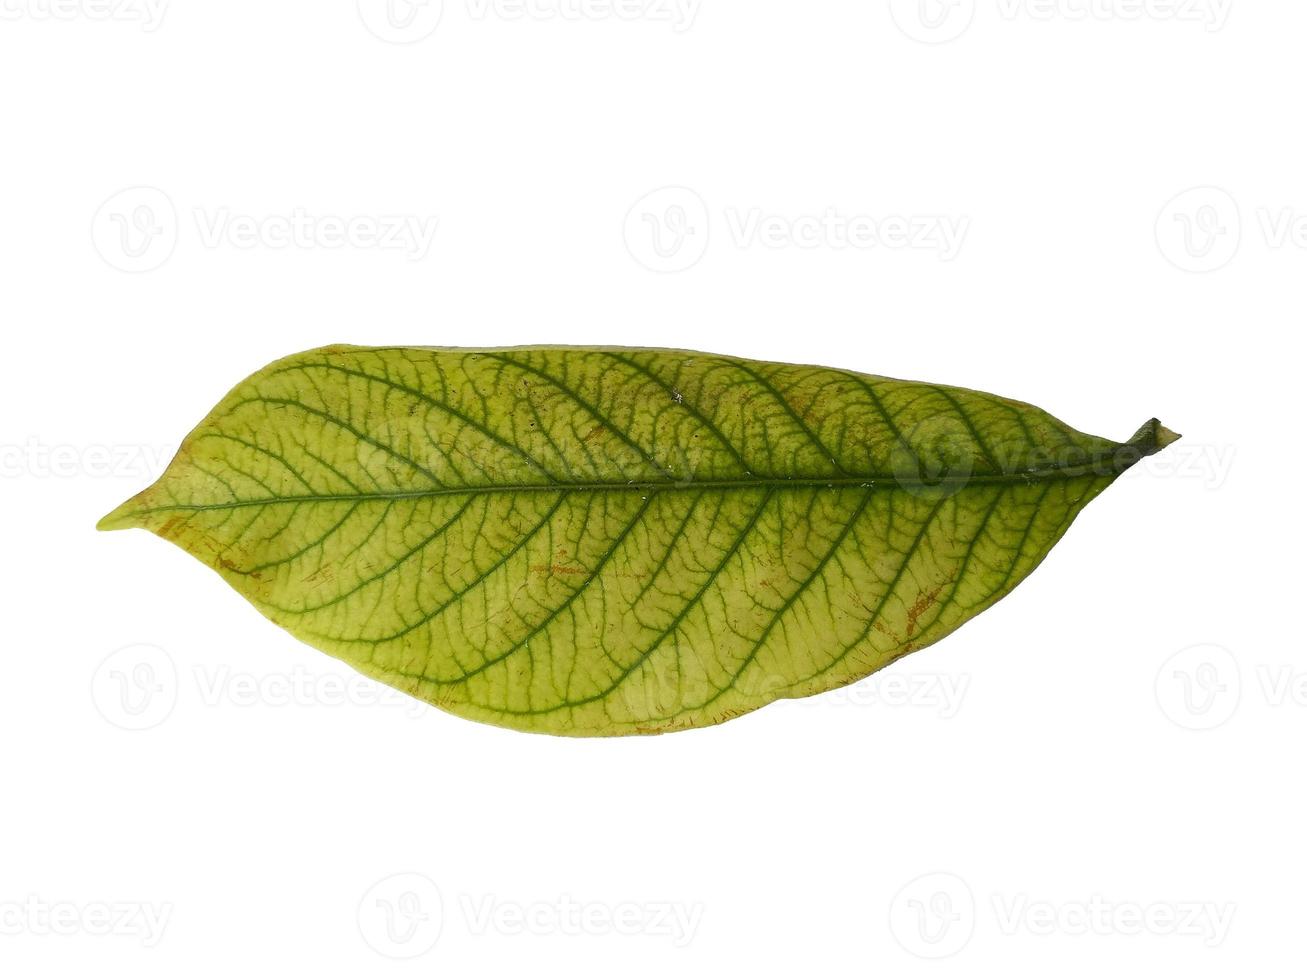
616,541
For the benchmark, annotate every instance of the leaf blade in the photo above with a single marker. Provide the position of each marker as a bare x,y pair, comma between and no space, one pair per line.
613,541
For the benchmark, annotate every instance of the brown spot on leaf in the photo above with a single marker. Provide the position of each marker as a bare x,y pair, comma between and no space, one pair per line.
882,628
557,569
924,601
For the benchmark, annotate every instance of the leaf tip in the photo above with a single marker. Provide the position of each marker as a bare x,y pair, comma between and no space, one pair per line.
1165,436
120,518
1153,437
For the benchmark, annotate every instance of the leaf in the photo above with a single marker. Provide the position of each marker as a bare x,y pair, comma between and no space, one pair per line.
618,541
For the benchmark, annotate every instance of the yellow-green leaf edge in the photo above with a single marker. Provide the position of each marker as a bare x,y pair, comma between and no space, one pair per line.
612,541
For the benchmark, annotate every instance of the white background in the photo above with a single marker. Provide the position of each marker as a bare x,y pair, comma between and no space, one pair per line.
1101,774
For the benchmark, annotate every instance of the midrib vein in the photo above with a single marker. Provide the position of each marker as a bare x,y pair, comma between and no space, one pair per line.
1101,467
